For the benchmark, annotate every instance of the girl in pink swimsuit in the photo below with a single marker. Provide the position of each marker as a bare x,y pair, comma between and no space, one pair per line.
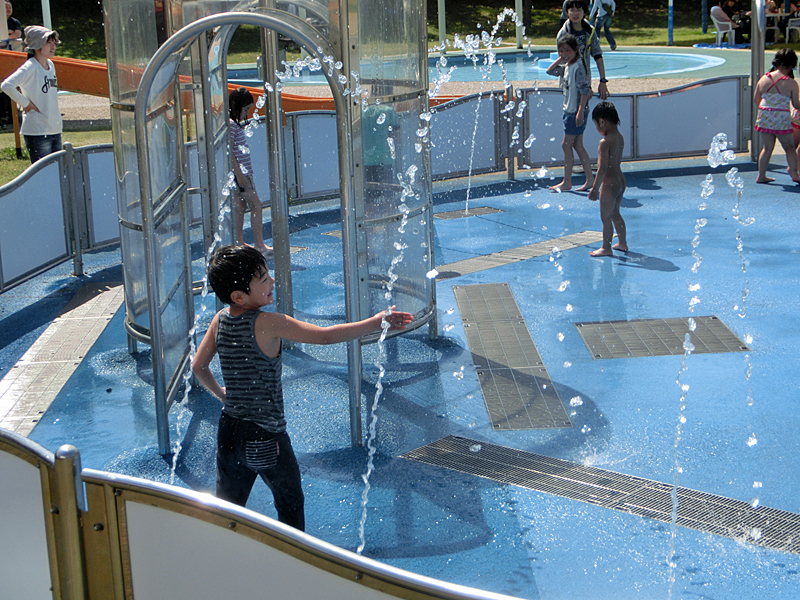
775,93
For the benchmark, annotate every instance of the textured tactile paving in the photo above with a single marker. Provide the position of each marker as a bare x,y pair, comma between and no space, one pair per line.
507,257
29,388
515,384
718,515
658,337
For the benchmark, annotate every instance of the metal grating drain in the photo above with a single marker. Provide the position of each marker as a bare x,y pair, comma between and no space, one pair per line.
507,257
657,337
473,212
516,387
762,526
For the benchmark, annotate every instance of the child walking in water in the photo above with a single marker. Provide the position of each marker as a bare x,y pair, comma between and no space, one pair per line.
577,91
252,439
240,102
775,93
609,184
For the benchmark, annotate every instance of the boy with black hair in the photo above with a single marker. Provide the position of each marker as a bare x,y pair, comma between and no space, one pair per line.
252,439
588,44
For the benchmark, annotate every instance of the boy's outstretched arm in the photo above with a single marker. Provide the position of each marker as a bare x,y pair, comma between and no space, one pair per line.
276,326
202,360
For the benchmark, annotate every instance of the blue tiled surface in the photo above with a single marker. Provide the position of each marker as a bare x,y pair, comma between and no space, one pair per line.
472,531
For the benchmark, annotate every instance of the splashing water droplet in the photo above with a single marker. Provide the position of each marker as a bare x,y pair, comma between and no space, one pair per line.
450,310
475,448
752,441
757,484
447,327
567,364
381,118
431,274
576,401
560,337
569,308
563,285
754,502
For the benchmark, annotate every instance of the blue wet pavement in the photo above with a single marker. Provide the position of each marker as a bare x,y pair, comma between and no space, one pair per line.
625,412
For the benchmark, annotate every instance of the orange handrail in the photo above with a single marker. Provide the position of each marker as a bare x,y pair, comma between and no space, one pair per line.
91,78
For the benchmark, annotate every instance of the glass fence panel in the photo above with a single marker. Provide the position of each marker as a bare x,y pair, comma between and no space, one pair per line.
169,252
174,324
411,291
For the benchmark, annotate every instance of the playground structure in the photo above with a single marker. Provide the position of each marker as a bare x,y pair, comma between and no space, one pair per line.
379,192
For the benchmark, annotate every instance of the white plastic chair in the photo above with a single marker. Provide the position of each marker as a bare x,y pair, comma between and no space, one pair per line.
792,25
723,28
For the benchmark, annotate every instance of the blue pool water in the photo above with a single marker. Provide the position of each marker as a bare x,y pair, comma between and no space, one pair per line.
522,67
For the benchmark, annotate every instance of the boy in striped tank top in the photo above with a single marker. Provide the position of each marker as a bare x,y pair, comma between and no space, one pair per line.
252,439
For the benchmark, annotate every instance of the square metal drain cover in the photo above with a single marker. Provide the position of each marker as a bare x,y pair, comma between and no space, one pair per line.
516,387
658,337
473,212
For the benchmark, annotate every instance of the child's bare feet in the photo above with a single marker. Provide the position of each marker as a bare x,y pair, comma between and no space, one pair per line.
601,252
765,180
584,188
264,249
620,247
560,187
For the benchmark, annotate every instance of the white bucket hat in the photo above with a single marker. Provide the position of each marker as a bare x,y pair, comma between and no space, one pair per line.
36,36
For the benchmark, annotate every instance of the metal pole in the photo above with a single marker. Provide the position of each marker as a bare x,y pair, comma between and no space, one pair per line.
757,34
71,501
46,21
442,27
278,194
518,9
669,23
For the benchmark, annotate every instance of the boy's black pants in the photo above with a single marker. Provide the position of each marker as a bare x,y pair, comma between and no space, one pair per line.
246,450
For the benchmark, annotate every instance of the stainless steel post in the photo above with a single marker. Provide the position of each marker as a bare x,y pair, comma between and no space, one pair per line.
757,39
71,501
278,192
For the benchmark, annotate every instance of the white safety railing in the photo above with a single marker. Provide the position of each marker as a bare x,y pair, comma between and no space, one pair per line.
66,203
77,533
59,207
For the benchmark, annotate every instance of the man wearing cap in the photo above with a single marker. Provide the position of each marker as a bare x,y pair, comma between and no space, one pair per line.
34,87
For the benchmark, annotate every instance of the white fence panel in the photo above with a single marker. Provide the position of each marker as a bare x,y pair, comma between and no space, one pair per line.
24,567
33,230
465,137
685,120
102,187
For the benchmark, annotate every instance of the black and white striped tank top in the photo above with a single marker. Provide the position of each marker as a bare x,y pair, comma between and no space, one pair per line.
252,379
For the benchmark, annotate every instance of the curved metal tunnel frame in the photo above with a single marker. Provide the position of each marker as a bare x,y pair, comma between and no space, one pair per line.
166,385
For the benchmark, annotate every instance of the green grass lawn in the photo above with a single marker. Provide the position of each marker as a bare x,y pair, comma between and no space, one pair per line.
11,166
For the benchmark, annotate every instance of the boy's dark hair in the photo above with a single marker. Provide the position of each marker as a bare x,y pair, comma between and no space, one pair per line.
786,58
570,40
232,268
237,100
607,111
578,4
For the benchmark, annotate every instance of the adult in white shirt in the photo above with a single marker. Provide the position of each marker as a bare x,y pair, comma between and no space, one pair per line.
603,10
34,87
